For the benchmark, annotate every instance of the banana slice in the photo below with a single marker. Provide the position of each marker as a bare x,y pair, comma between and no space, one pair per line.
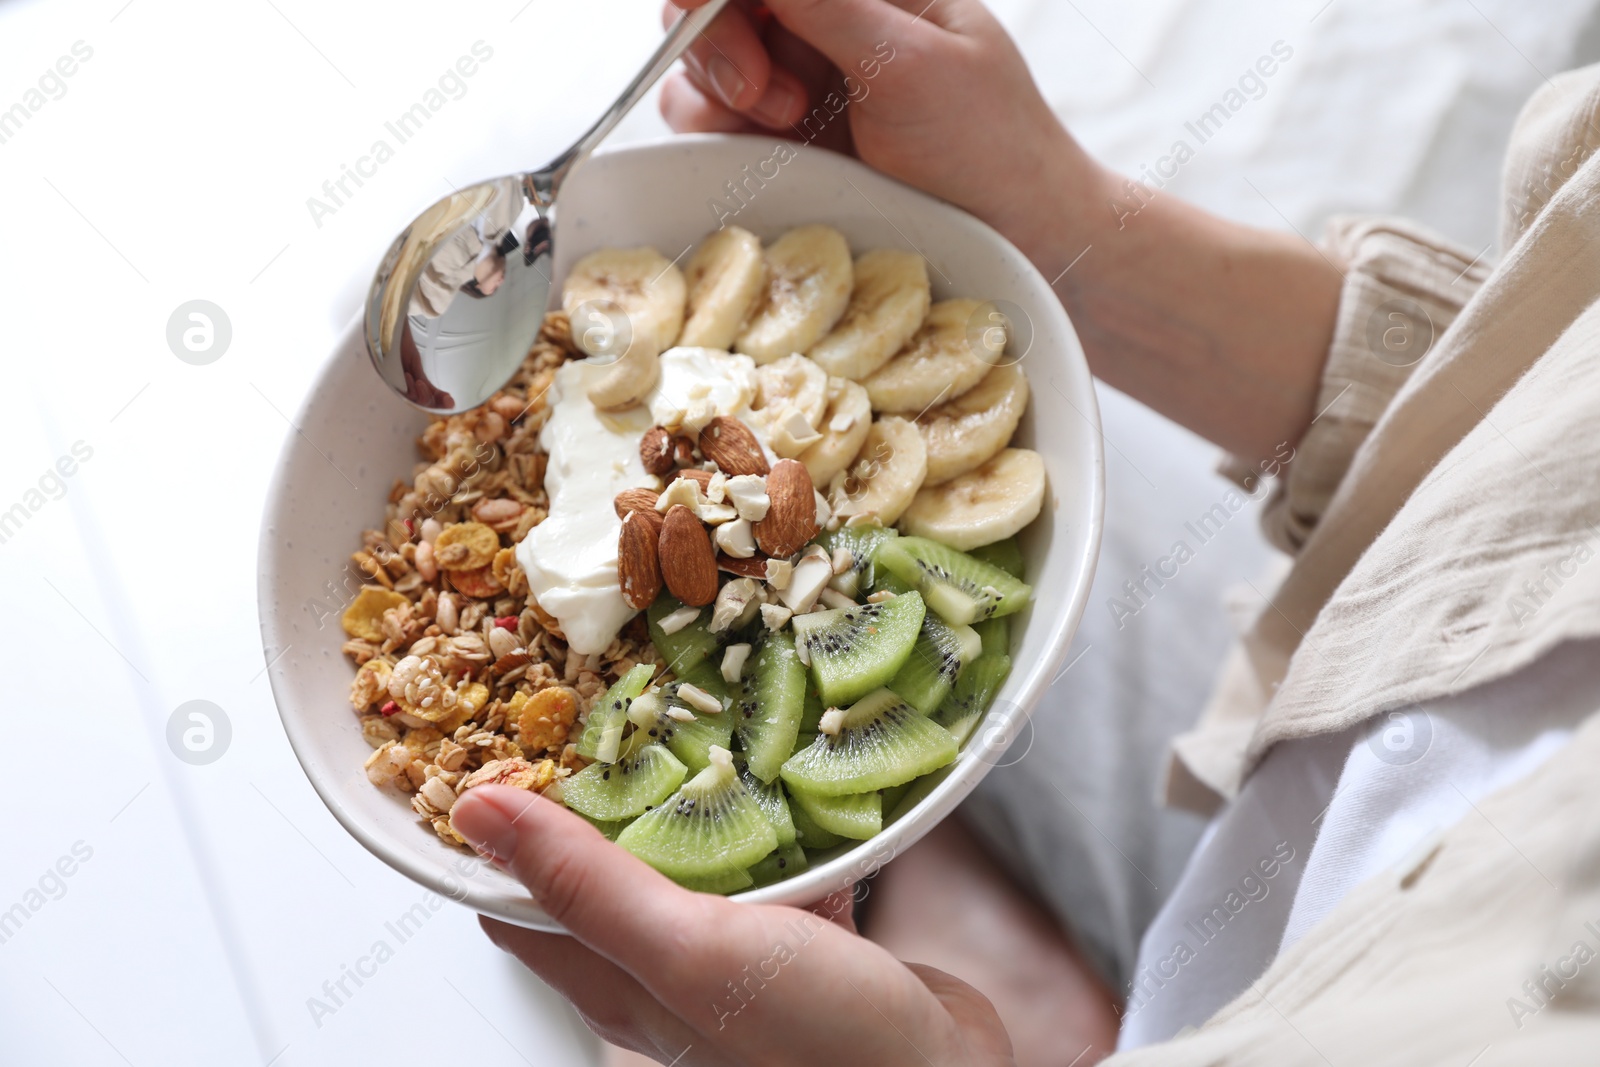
628,381
943,360
808,284
844,427
791,398
964,433
647,287
792,382
982,506
889,301
724,278
886,474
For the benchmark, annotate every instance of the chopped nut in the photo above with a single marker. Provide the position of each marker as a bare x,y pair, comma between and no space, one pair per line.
677,620
835,599
699,699
779,573
735,539
733,660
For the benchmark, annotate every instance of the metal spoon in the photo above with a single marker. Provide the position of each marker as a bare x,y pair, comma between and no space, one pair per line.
460,295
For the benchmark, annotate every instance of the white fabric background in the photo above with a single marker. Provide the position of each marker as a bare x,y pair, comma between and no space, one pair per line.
177,165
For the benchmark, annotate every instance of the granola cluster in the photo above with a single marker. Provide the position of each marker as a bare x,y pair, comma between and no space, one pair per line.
461,679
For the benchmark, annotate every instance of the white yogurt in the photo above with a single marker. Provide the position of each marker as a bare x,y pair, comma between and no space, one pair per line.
571,557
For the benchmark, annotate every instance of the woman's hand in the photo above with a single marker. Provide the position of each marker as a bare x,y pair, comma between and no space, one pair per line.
934,94
690,978
1222,327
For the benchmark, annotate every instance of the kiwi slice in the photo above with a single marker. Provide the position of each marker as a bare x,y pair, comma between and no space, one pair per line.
961,589
807,833
912,795
935,662
881,742
1007,555
770,796
973,692
886,581
856,650
688,731
995,635
723,882
785,862
770,703
862,543
710,826
602,734
642,777
855,815
810,715
686,648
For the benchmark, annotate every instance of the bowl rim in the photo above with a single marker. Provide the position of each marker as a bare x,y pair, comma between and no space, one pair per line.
1027,687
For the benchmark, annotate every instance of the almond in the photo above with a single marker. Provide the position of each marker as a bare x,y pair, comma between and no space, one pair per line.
683,451
656,450
792,516
634,500
731,445
754,567
688,562
638,562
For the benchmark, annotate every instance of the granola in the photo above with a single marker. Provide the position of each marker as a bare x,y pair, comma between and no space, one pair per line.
461,679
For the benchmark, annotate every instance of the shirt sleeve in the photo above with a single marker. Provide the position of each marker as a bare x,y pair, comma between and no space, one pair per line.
1403,287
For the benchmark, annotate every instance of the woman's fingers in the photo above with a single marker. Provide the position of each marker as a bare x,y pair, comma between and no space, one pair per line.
688,110
611,901
727,60
849,32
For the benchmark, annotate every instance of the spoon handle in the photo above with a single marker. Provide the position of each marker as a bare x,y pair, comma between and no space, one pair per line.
682,34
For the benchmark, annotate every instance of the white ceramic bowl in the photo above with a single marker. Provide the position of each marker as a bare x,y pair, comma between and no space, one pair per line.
354,430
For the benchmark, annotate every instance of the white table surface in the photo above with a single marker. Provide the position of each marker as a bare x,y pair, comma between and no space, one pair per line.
218,899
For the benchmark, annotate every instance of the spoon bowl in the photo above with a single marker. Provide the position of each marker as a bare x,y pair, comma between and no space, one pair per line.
459,295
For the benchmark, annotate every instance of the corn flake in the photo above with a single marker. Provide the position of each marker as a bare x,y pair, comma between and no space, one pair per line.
545,718
478,582
465,546
364,617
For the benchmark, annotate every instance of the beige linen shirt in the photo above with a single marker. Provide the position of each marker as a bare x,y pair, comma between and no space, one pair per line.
1445,516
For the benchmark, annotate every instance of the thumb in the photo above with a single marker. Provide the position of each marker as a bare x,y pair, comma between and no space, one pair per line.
607,898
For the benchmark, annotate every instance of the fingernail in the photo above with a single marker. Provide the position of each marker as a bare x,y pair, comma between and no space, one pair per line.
725,79
486,827
775,106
